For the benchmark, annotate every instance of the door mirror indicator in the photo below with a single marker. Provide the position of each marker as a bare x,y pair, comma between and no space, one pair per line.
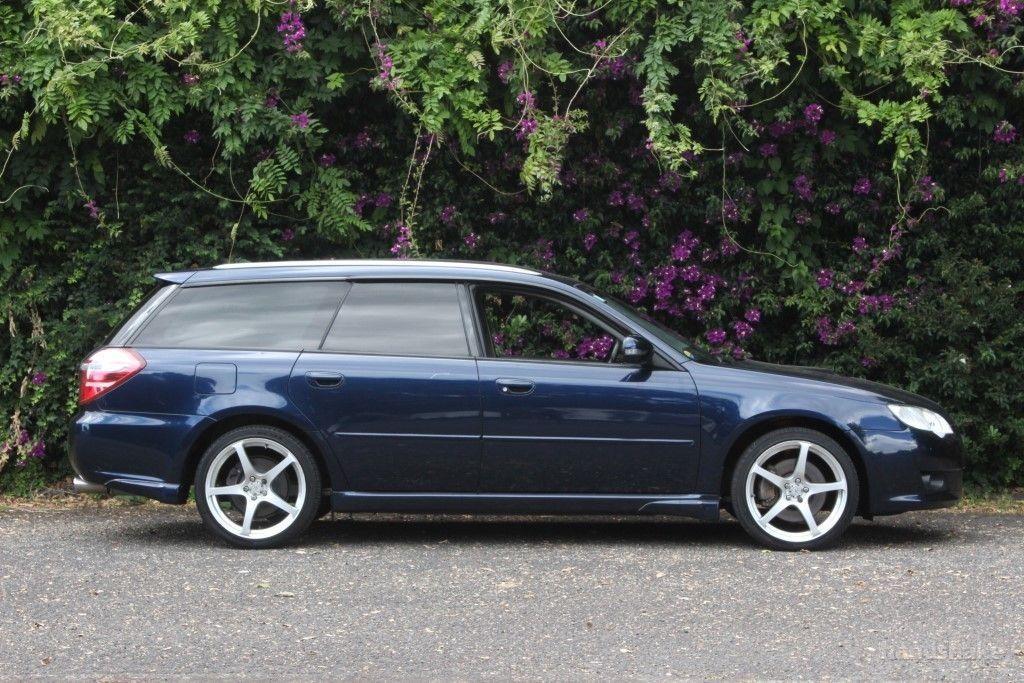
636,349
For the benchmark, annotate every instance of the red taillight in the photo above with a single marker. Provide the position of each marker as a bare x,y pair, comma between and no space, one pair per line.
105,370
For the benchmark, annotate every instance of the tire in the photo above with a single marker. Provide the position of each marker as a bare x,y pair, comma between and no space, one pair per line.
286,501
777,504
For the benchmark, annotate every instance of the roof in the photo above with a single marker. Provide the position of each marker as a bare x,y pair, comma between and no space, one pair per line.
358,268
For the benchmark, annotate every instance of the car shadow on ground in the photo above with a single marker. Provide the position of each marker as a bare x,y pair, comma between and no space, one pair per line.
371,530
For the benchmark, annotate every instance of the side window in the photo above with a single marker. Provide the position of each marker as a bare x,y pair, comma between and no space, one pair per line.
279,316
400,319
527,326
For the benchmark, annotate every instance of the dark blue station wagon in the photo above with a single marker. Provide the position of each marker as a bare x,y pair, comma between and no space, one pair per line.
280,391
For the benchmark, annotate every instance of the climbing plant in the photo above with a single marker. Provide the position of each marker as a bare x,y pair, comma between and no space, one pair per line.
815,182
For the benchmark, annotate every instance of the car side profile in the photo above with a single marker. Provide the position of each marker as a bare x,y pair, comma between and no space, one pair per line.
280,391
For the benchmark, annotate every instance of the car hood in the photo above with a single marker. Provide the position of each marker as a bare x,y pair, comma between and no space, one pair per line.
877,390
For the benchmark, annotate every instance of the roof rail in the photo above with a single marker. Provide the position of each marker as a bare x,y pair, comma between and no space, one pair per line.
477,265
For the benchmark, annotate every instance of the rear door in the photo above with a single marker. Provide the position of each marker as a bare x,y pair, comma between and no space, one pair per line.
395,389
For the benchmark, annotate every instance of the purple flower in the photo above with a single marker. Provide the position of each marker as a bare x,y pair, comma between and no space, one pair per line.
192,137
292,31
496,217
94,209
527,127
813,113
580,215
868,361
271,100
23,438
1010,8
728,247
8,80
327,159
803,188
402,246
742,329
383,200
832,208
190,79
730,211
39,378
471,240
589,240
824,278
753,315
690,273
859,245
927,187
715,336
300,120
287,235
505,71
595,347
768,149
862,186
38,450
827,137
448,214
615,198
1004,133
386,76
526,100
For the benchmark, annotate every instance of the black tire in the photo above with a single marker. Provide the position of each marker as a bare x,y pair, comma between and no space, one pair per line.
741,505
306,512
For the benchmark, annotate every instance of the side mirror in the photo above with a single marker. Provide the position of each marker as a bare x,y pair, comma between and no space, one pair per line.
636,349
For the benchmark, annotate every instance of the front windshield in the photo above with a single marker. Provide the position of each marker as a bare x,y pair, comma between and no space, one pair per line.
653,327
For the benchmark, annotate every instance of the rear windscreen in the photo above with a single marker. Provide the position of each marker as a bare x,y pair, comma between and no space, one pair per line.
279,316
129,327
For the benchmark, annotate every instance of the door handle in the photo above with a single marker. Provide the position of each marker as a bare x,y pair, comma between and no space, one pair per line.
325,380
514,386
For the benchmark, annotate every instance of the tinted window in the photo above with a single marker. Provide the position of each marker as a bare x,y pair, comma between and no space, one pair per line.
526,326
274,316
400,318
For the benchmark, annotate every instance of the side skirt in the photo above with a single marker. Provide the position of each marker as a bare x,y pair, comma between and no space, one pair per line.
700,506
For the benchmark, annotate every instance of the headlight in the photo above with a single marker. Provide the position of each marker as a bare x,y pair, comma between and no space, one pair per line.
922,418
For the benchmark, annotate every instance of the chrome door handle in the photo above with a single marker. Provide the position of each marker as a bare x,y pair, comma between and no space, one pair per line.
325,380
514,386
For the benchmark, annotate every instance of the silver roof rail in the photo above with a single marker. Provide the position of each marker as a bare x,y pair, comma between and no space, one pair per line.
469,265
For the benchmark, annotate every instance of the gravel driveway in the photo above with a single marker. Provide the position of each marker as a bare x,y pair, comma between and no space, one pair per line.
144,591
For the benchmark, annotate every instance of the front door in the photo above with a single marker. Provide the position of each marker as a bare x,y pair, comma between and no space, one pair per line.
562,412
395,389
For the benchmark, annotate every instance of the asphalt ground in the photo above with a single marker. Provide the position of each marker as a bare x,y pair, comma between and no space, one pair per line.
144,592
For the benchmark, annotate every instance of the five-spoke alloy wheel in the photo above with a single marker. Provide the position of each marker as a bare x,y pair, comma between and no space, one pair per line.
257,487
795,488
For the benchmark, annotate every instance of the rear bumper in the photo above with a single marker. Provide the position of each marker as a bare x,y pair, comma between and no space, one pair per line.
142,455
911,470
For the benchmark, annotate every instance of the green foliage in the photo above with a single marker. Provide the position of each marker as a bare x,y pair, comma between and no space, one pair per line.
626,143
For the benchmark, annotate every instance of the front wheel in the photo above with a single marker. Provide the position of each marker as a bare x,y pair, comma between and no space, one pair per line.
257,487
795,489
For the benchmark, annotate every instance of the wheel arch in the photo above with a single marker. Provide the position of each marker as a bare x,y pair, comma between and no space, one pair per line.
755,430
213,430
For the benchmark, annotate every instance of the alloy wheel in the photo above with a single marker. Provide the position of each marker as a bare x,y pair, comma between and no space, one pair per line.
796,491
255,488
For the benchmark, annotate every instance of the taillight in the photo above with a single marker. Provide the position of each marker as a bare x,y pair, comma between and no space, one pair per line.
105,370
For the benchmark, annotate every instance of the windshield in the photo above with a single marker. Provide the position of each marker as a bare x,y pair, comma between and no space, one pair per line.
652,327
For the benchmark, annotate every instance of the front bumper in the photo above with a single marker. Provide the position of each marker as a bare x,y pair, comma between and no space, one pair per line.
911,470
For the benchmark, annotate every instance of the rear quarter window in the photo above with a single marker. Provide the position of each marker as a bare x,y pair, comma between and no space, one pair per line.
400,319
279,316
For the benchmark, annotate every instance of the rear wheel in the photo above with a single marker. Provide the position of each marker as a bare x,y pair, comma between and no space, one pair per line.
257,487
795,489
